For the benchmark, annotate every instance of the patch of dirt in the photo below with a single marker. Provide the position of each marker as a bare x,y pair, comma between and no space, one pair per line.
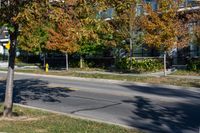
41,131
21,118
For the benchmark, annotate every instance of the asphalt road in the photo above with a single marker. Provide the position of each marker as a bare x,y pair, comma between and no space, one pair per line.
149,108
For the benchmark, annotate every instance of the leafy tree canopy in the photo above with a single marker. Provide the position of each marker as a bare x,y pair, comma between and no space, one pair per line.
48,26
163,28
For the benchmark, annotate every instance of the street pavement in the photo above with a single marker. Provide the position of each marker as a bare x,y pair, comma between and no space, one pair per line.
150,108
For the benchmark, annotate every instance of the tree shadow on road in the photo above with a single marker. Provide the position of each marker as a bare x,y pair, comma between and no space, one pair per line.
158,116
164,91
30,89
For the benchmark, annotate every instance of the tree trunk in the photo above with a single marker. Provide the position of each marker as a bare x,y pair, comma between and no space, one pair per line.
131,30
8,103
131,53
44,62
165,64
81,61
67,62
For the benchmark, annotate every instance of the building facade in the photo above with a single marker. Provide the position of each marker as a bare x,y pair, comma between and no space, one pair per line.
4,39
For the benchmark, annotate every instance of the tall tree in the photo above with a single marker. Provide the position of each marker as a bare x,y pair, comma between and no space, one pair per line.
118,28
64,36
54,32
96,34
9,11
163,28
26,14
127,26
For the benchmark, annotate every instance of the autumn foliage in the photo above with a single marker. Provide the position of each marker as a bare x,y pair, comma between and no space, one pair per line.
63,38
197,34
163,28
195,18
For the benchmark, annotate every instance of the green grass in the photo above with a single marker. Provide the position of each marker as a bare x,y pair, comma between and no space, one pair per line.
186,73
144,79
147,79
35,121
20,64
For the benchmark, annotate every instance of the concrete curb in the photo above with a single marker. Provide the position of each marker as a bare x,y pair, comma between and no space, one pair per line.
74,116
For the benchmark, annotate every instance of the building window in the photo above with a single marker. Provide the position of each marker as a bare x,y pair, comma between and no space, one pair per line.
139,10
107,14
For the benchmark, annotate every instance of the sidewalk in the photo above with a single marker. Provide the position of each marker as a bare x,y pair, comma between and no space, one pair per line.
155,74
185,77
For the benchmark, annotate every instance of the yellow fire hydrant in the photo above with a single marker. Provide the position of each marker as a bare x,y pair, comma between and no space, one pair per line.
46,67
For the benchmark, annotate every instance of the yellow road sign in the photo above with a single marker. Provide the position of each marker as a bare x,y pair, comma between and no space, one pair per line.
8,45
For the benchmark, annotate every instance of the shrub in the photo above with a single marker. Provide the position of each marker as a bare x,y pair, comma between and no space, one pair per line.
122,64
194,65
89,64
147,65
139,66
2,57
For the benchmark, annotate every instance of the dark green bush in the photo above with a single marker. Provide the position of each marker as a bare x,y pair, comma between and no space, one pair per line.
122,64
147,65
139,66
89,64
194,65
2,57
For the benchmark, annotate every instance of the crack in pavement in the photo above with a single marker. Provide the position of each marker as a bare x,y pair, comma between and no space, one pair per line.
93,99
90,109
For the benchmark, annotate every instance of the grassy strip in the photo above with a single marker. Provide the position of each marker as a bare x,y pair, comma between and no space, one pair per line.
147,79
151,80
186,73
35,121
